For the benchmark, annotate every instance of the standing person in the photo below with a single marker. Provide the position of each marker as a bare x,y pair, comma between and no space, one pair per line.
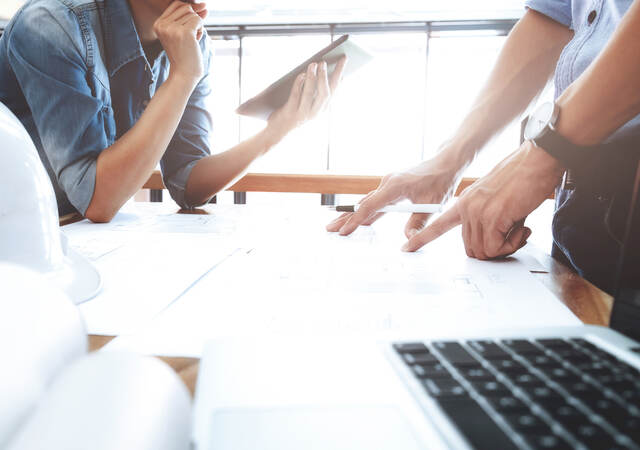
109,88
589,135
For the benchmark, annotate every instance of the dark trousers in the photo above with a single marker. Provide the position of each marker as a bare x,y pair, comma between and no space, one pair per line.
590,219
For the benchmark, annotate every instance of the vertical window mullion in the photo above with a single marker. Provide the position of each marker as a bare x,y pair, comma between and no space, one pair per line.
329,136
426,88
240,60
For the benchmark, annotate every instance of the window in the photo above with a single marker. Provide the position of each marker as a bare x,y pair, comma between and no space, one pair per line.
393,113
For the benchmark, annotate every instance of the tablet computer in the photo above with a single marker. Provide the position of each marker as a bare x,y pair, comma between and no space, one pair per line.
275,96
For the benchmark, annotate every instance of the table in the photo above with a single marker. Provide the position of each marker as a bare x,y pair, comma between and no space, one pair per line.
588,303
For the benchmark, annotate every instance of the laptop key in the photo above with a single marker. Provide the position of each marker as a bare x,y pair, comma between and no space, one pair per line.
522,346
565,352
508,404
476,374
525,379
554,343
527,423
444,387
547,441
623,367
490,388
609,409
559,374
410,347
431,371
489,350
456,354
541,360
543,395
579,389
631,427
567,414
591,364
419,358
609,379
475,424
592,435
625,389
576,359
509,366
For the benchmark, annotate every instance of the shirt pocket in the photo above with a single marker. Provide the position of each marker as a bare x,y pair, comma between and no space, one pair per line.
109,123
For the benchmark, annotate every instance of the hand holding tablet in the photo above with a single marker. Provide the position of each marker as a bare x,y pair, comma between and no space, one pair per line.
277,94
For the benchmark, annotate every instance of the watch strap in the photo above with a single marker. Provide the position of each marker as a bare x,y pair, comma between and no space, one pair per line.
571,156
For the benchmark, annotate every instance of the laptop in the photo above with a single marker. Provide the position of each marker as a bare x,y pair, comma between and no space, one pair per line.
538,388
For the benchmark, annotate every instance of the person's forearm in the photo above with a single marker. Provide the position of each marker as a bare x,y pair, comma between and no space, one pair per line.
524,66
214,173
607,94
125,166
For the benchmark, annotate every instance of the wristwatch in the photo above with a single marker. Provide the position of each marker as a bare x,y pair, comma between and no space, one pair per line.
540,129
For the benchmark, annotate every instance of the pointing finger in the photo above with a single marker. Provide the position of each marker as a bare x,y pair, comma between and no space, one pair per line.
441,225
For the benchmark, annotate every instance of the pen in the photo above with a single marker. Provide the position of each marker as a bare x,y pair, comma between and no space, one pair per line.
426,208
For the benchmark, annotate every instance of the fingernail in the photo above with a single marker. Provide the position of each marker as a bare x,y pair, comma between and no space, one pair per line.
406,247
412,232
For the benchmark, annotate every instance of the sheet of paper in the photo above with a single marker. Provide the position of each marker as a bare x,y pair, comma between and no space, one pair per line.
299,280
162,218
147,261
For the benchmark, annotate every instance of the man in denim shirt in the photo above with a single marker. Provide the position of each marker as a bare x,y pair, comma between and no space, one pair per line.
593,47
109,88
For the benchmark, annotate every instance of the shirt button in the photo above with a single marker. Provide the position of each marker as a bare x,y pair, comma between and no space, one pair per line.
592,16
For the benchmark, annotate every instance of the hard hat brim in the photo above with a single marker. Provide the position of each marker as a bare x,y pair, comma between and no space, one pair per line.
77,277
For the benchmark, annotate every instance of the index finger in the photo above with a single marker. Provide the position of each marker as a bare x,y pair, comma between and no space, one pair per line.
440,226
336,76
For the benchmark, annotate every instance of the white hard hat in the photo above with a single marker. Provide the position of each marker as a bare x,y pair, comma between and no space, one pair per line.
29,225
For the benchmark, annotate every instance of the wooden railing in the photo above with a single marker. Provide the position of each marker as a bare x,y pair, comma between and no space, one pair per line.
319,184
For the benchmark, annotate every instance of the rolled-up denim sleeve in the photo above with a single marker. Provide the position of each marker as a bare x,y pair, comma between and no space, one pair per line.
46,54
190,142
558,10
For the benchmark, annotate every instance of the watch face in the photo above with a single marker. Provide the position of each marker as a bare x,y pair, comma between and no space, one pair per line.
543,116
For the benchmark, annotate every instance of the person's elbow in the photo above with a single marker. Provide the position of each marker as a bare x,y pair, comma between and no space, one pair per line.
100,213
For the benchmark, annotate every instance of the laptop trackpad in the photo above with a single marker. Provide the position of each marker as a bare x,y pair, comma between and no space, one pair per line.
336,428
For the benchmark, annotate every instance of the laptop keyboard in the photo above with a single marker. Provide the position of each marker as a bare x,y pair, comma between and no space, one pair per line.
540,394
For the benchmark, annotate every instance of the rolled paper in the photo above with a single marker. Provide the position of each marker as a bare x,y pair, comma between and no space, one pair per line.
41,332
111,400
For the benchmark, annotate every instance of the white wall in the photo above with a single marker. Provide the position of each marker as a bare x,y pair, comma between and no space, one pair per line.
9,7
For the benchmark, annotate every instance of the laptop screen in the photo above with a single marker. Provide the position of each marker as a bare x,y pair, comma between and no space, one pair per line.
625,316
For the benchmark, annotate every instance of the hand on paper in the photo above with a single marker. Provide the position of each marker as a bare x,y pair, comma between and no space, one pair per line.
179,29
309,96
492,211
430,182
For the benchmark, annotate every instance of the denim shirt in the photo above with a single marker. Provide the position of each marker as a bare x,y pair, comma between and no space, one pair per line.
589,220
75,73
